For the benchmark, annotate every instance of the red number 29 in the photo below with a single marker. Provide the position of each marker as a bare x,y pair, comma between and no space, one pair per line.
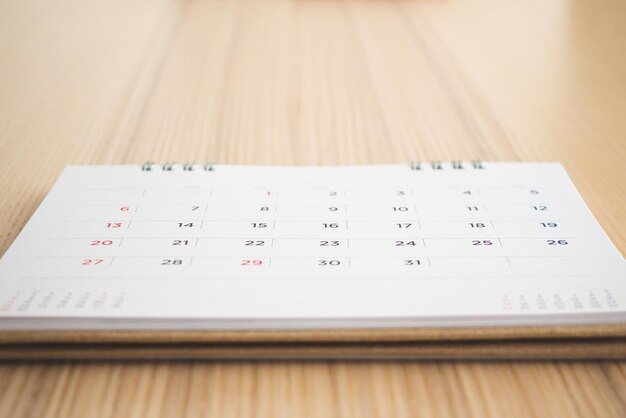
251,262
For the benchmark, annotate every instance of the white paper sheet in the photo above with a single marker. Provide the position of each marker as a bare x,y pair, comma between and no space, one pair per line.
289,247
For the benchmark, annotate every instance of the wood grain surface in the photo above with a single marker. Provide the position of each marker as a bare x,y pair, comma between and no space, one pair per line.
312,82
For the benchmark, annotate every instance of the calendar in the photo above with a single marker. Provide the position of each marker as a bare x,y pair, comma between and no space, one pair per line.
243,247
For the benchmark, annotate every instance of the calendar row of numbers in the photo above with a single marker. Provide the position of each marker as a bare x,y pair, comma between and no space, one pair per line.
307,228
326,245
311,266
87,212
202,195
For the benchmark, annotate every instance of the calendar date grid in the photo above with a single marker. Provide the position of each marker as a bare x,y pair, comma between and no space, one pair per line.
259,226
316,253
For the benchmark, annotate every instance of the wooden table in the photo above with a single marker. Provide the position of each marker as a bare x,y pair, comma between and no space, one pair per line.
312,82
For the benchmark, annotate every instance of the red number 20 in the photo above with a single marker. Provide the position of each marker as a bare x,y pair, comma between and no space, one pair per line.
99,242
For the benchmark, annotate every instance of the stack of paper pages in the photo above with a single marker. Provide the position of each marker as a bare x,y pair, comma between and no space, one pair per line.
425,260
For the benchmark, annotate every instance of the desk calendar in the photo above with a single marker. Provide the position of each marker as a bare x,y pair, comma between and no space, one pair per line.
203,247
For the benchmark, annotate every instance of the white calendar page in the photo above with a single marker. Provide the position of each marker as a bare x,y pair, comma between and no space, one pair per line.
283,247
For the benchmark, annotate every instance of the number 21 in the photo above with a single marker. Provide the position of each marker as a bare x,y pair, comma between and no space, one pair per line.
92,261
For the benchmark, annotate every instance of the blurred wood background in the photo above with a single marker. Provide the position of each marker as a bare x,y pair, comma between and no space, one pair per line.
312,82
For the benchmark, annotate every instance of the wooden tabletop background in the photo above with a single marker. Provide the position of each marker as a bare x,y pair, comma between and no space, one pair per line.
312,82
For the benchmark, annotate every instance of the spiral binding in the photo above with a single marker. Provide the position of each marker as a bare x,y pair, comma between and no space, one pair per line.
170,166
414,165
455,165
